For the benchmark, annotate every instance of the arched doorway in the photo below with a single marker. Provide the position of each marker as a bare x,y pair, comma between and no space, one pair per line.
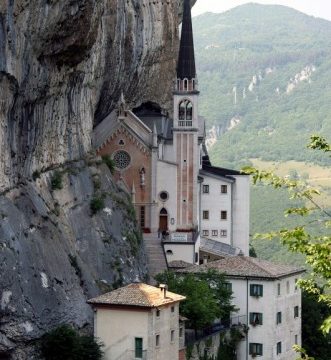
163,220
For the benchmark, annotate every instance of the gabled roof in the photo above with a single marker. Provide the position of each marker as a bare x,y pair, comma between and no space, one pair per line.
247,267
186,59
137,294
207,166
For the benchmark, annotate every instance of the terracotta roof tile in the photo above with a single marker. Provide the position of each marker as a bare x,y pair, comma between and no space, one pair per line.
178,264
137,294
246,266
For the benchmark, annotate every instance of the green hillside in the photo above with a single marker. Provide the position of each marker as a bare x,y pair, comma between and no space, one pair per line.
265,80
288,54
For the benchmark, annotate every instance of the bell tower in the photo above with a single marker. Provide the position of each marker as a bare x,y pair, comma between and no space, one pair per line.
186,127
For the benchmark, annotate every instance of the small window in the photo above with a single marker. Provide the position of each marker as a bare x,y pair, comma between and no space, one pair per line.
205,232
205,189
255,349
172,309
214,233
224,215
121,142
224,189
278,289
296,339
228,286
157,313
172,335
279,348
255,318
296,311
224,233
295,284
157,340
205,215
256,290
169,252
279,317
138,353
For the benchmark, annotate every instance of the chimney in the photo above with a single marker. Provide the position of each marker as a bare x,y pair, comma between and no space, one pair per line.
163,289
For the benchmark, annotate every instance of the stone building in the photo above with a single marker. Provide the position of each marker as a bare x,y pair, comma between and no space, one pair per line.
139,321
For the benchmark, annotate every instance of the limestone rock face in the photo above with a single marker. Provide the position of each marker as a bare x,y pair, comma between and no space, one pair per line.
63,67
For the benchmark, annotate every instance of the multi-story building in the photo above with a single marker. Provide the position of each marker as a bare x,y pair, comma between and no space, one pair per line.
269,302
139,321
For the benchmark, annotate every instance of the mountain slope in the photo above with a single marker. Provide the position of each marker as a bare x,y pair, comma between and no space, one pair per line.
264,74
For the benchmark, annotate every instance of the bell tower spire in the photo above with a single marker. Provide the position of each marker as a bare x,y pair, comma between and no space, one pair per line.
186,60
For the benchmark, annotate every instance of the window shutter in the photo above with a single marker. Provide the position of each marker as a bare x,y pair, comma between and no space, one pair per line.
261,290
251,318
252,290
261,319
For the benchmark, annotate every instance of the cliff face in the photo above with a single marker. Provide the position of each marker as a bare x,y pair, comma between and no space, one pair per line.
63,67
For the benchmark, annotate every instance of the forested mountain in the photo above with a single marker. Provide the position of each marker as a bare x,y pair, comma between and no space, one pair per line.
264,73
265,80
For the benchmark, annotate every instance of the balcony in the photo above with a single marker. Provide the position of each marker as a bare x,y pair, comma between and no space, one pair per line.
185,123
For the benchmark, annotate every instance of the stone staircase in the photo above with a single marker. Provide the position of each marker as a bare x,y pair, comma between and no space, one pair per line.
155,256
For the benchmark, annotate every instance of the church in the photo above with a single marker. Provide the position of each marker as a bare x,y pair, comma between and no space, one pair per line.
200,211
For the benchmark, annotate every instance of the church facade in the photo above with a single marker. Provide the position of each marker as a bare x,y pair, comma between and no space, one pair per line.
162,161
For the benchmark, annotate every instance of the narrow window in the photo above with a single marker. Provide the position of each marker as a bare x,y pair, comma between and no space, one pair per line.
296,311
279,348
278,289
205,189
279,317
189,111
295,284
172,309
157,313
157,340
224,215
142,217
228,286
214,233
172,335
138,348
205,215
296,339
224,189
205,232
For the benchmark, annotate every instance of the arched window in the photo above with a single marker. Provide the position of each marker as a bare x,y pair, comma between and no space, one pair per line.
163,211
189,110
185,111
181,112
185,84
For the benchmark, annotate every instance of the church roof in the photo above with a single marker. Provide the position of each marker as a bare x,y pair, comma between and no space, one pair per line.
207,167
186,59
247,267
137,294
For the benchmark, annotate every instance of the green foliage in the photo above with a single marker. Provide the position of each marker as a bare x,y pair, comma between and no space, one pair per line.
97,204
56,180
65,343
233,47
207,298
299,239
313,314
106,159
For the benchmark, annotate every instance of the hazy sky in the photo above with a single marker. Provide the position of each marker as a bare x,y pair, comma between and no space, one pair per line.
319,8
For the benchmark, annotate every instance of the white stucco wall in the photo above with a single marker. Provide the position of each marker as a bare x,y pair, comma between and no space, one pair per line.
184,252
215,202
167,181
118,328
240,216
269,333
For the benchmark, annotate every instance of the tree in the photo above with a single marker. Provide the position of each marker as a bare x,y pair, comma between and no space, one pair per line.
207,296
65,343
315,248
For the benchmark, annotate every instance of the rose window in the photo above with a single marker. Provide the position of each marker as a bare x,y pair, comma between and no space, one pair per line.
122,160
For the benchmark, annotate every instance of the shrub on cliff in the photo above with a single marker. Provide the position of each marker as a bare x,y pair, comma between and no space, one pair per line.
65,343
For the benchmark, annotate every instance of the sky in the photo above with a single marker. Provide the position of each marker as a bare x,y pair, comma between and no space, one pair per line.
318,8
